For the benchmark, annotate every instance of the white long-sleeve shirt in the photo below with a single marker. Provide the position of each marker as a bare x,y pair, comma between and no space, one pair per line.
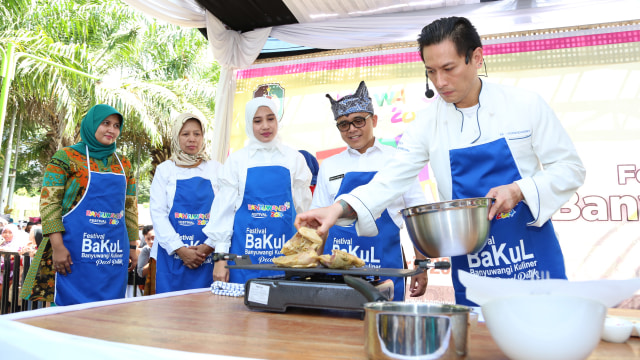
374,159
546,158
232,183
163,190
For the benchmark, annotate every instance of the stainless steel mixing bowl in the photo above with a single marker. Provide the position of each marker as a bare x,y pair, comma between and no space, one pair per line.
449,228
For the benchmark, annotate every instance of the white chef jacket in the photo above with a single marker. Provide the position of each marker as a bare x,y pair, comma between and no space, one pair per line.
548,163
374,159
232,182
163,190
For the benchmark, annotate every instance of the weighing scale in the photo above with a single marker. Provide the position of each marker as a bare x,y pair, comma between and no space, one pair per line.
317,287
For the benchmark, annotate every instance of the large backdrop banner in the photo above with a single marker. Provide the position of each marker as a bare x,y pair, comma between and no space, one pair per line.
589,75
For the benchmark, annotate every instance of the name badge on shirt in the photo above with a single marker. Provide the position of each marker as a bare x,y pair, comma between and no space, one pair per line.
336,177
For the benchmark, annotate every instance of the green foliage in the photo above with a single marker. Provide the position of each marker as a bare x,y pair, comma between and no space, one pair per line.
29,178
24,192
144,190
149,71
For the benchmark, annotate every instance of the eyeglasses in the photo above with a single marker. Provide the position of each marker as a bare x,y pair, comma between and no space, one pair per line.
357,122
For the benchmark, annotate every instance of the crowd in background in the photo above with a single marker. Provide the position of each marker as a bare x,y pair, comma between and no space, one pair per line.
22,237
139,277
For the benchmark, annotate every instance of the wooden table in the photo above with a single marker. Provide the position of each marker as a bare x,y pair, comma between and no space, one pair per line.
207,323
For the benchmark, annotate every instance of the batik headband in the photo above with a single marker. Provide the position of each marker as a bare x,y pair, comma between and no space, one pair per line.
358,102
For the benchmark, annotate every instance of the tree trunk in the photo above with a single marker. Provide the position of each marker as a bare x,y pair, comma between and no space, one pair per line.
7,164
139,150
158,155
12,185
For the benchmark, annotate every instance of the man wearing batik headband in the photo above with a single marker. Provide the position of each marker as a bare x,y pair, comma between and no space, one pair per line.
364,156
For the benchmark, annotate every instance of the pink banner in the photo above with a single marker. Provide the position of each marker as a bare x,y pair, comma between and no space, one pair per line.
408,57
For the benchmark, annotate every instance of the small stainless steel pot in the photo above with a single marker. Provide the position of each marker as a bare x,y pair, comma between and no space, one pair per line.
411,330
414,336
404,330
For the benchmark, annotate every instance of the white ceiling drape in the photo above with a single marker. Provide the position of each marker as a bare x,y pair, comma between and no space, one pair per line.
187,13
347,28
488,18
233,50
306,11
331,24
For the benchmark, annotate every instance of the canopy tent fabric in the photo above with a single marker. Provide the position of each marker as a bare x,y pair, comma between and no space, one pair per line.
232,50
335,24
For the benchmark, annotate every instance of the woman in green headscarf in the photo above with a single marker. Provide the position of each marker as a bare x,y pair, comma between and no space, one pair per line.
89,218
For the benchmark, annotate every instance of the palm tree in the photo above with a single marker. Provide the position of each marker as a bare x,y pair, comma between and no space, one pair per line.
149,72
173,73
61,32
41,93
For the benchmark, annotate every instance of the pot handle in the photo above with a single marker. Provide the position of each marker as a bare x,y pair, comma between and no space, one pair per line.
365,288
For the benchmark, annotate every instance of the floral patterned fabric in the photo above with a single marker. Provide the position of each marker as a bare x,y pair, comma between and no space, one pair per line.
65,181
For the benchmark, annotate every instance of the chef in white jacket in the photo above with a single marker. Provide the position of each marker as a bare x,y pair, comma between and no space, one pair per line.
355,166
481,139
262,187
182,191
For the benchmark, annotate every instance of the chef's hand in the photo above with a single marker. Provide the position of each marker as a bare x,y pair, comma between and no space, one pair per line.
220,272
61,257
133,258
190,257
321,219
418,285
507,197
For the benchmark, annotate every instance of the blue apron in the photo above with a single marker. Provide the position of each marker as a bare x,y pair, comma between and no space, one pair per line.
264,221
380,251
514,249
189,214
96,237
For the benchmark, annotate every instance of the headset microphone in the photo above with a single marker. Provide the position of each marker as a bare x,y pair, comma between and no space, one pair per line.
429,92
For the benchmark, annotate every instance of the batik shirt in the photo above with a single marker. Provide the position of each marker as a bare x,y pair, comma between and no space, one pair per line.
65,181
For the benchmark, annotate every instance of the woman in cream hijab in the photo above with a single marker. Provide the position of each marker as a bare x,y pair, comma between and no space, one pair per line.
262,186
182,191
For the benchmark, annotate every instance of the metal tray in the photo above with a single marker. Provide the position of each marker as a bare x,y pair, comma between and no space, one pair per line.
364,271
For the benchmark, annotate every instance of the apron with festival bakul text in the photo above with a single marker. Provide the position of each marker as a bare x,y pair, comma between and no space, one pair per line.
264,221
380,251
514,249
188,215
96,237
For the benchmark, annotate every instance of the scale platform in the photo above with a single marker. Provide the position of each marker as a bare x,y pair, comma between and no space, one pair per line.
316,287
301,272
316,292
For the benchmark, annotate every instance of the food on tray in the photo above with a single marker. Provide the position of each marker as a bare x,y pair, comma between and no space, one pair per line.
301,251
305,240
341,260
305,259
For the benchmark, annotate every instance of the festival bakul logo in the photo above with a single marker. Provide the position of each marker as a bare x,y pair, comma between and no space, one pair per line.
274,92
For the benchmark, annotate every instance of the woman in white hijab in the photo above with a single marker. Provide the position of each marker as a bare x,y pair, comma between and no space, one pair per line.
13,239
262,187
182,191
